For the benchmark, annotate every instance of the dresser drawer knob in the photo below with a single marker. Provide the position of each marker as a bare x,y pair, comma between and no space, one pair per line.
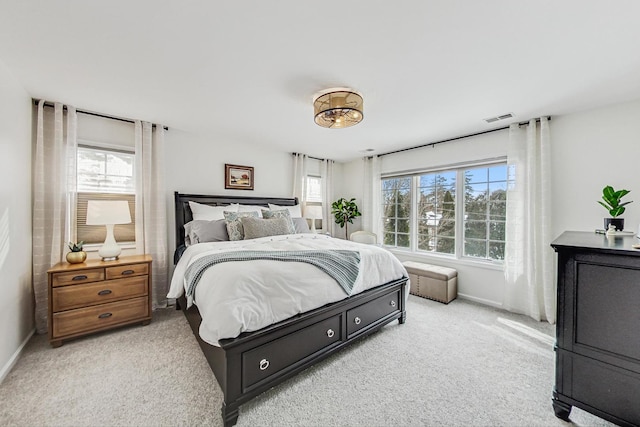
330,333
357,320
81,277
105,315
392,303
127,272
105,292
264,364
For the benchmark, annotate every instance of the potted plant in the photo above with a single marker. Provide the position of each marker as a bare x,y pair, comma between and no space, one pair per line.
77,255
613,204
344,212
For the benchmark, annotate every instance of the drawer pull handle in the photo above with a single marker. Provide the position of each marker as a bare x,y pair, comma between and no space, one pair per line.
105,292
127,272
393,303
330,333
357,320
105,315
81,277
264,364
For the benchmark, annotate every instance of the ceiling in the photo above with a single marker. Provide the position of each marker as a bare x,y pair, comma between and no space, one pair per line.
246,71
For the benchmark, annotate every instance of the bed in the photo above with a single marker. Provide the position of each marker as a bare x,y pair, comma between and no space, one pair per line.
257,360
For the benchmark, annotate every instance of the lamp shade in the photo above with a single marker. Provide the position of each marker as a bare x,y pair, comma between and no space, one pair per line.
338,108
102,212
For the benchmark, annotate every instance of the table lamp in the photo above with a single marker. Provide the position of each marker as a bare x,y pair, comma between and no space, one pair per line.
109,213
313,213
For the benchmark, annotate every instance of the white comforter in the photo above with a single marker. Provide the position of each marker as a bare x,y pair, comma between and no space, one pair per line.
234,297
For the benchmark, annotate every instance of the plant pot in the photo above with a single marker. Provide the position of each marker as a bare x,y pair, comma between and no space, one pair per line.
617,222
76,257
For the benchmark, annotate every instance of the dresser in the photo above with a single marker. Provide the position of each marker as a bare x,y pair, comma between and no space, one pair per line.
97,295
598,327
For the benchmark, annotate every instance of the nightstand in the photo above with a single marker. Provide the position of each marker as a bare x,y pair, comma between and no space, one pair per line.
98,295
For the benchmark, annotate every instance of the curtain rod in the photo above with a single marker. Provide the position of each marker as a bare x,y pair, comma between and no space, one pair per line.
433,144
91,113
310,157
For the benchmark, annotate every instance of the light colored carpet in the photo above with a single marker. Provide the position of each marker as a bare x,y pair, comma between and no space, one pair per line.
460,364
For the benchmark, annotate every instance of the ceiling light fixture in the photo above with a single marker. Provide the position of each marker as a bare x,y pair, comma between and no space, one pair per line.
337,108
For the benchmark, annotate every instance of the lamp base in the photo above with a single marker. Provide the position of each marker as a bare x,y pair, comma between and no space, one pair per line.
110,250
313,226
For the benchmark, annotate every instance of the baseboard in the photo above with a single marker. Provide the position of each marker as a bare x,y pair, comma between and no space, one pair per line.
12,361
480,300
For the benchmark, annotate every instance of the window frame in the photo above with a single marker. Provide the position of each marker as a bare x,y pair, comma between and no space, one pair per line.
460,213
101,146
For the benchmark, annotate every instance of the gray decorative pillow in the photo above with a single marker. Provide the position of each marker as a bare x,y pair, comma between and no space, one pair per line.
301,225
282,213
256,227
201,231
234,223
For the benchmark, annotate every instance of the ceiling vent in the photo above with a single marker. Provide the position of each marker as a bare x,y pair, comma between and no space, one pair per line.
497,118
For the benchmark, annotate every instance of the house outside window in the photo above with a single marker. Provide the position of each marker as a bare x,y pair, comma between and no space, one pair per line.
104,174
457,212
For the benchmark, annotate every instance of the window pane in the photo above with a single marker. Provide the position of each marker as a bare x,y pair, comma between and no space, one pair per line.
314,189
475,229
475,248
104,174
436,211
496,251
475,175
446,245
497,230
403,240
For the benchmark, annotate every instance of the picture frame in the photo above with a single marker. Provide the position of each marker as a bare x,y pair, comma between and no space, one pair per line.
238,177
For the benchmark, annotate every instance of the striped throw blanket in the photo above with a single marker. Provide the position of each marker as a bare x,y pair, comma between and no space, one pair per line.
341,265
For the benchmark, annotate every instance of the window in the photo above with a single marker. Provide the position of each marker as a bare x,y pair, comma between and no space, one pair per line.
455,212
104,174
396,210
314,197
485,206
314,189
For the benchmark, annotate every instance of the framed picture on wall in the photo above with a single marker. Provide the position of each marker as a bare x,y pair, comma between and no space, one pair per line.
238,177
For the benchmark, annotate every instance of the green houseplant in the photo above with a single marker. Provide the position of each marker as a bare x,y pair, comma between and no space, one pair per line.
344,212
611,201
77,255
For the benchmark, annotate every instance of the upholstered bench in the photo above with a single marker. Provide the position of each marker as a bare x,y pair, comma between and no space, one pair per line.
432,281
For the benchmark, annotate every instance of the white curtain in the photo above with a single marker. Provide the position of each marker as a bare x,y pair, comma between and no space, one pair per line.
151,207
326,175
300,178
529,259
372,194
54,195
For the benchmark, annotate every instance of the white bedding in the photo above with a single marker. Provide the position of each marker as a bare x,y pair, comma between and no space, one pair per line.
236,297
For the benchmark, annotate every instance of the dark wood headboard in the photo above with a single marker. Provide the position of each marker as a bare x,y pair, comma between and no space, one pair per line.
183,211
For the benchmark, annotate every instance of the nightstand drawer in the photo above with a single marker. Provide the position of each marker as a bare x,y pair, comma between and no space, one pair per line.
69,297
99,316
127,271
76,277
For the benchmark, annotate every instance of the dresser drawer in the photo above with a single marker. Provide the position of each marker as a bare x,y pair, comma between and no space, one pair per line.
99,316
69,297
268,359
127,271
368,313
76,277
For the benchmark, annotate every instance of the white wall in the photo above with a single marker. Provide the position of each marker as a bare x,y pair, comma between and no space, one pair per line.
16,304
195,165
590,150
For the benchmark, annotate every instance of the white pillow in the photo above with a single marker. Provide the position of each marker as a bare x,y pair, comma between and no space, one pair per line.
295,211
251,208
210,213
